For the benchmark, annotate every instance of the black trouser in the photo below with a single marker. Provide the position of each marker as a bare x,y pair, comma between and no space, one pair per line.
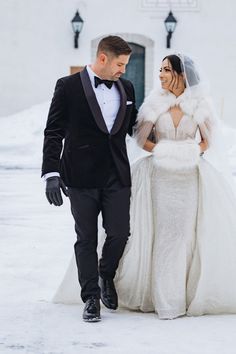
113,201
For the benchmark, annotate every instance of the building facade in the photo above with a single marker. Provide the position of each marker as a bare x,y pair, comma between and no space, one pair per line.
38,44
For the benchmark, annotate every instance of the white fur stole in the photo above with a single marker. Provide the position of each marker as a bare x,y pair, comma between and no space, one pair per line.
159,101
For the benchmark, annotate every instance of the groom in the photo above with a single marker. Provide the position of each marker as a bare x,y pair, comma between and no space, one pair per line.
91,112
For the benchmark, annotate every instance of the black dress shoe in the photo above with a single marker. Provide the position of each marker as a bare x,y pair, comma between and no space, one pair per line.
92,310
108,293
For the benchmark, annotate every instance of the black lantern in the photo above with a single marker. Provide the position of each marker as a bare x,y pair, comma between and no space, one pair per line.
170,23
77,24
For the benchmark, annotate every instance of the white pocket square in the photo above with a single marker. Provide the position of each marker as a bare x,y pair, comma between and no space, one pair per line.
128,103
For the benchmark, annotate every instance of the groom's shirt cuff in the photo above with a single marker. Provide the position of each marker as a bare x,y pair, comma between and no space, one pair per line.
50,174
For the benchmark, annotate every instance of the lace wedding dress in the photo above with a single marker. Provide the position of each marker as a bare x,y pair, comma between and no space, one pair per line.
181,255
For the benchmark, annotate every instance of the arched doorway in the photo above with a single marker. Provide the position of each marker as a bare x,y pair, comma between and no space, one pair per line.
135,71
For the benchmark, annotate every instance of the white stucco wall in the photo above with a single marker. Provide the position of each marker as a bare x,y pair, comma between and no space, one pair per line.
37,44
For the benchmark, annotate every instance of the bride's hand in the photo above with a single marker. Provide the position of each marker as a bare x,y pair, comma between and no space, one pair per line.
203,145
149,146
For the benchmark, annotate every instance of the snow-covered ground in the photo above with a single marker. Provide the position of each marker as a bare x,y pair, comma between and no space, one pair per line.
36,244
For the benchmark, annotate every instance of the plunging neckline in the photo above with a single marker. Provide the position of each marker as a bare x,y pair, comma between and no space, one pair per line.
172,121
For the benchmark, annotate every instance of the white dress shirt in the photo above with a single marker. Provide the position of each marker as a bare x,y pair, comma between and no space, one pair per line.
108,99
109,102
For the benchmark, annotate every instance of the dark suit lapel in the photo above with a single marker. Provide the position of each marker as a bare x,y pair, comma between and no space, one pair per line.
92,101
121,112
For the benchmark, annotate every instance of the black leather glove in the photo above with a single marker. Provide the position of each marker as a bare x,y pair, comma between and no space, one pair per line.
53,190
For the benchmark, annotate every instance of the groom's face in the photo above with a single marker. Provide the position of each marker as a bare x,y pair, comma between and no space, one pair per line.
114,67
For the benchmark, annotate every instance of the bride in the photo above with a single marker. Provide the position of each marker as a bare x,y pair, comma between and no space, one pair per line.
181,255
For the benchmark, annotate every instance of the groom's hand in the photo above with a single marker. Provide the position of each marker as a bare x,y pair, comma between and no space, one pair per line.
53,190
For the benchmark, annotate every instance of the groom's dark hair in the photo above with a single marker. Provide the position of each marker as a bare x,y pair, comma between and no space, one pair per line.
114,45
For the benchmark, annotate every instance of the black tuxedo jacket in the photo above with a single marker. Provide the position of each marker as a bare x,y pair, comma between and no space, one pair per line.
75,118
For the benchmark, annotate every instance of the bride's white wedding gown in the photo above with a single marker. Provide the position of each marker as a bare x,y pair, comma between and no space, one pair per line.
181,255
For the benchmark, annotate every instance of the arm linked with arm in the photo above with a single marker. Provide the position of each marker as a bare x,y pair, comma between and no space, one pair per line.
142,134
146,120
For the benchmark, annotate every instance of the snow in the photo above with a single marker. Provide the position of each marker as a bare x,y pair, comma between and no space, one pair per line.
22,137
36,243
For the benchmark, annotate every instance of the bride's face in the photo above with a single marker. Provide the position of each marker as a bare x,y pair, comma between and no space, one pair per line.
170,79
166,74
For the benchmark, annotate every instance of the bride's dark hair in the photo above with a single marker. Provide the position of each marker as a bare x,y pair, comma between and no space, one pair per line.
176,66
175,63
186,67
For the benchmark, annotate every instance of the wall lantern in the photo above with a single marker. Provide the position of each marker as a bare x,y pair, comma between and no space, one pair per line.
77,24
170,23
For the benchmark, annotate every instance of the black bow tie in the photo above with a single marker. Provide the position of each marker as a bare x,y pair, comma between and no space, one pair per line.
99,81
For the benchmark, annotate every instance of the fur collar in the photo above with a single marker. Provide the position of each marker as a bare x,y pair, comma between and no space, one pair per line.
159,101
